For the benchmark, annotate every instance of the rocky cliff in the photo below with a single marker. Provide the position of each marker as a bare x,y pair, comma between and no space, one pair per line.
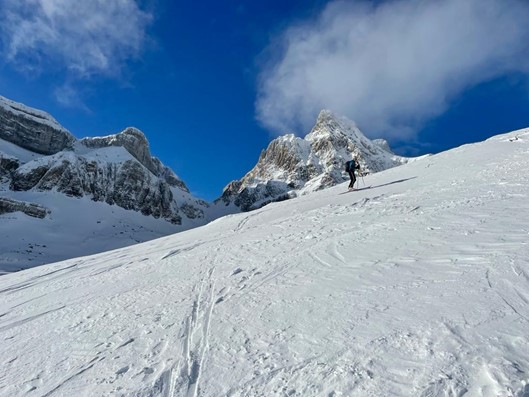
32,129
8,206
116,169
135,142
291,166
126,183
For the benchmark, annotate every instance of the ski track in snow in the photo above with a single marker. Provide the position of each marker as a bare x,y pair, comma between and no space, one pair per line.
415,287
195,339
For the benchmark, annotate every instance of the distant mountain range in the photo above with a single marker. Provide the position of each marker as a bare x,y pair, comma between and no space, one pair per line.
62,197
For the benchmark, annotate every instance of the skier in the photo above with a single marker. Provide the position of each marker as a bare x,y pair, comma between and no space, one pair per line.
350,167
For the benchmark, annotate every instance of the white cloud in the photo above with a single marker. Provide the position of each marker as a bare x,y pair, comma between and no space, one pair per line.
82,38
68,96
390,67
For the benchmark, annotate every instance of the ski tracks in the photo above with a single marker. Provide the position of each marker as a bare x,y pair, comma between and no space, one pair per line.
195,334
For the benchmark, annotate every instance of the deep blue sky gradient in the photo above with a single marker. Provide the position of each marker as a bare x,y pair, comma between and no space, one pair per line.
193,92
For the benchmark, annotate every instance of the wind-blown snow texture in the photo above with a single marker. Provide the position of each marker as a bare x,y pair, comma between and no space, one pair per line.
417,286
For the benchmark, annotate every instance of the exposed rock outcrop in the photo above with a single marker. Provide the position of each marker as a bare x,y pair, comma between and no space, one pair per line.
135,142
32,129
8,165
9,205
127,184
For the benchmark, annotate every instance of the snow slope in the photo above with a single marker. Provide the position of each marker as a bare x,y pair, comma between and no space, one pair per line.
75,226
418,286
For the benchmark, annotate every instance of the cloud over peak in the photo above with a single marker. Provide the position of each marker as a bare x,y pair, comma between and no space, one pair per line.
393,66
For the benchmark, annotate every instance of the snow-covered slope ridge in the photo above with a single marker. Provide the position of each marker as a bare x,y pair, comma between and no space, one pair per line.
291,166
417,286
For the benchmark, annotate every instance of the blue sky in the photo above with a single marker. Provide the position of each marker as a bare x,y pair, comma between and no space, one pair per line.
211,83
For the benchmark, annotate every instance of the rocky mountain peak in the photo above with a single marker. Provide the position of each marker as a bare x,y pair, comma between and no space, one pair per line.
329,124
284,153
136,143
382,143
132,139
291,165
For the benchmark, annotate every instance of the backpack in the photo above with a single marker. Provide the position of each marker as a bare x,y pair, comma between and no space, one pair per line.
349,165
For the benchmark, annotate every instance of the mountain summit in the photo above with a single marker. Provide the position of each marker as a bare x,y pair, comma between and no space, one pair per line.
293,166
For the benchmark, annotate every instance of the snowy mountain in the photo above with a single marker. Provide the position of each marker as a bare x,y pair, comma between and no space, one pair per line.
293,166
40,160
43,166
417,286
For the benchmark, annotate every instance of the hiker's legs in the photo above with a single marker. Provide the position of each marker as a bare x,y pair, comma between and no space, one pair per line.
353,179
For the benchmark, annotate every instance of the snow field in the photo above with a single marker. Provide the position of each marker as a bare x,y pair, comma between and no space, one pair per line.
417,286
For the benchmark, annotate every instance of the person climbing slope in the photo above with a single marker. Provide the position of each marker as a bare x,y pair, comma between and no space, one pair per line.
350,167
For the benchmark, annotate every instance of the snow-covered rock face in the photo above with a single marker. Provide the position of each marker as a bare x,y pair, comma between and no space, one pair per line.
126,183
8,206
382,143
32,129
39,158
117,169
137,145
291,166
